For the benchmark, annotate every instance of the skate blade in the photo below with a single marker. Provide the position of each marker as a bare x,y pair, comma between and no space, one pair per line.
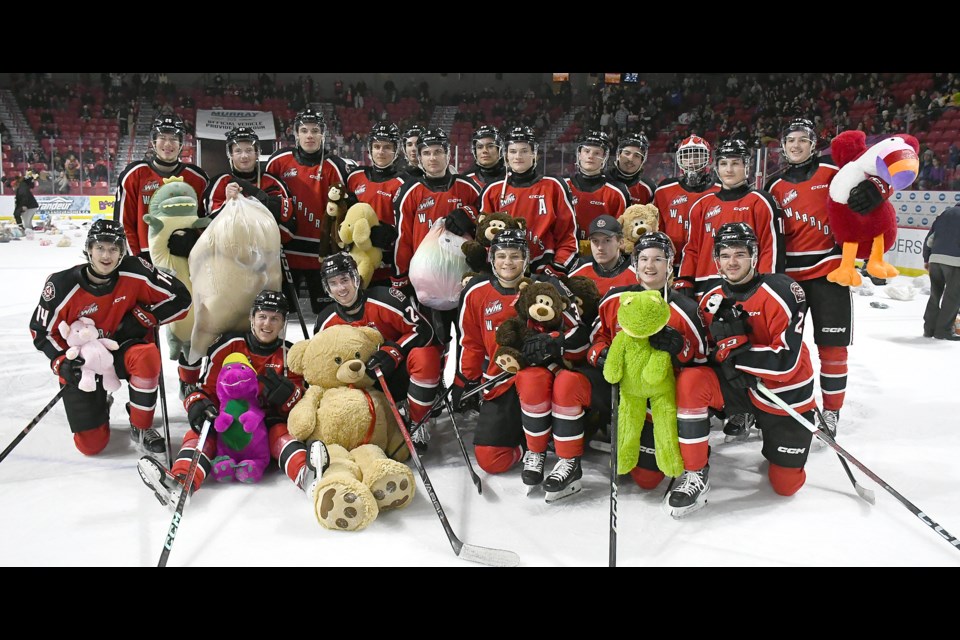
532,488
571,489
678,513
599,445
150,475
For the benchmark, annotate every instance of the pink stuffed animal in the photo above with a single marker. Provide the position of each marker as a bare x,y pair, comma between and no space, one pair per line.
84,340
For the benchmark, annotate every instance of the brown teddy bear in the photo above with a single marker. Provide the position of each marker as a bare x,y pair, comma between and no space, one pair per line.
355,422
337,205
539,303
637,220
586,297
488,226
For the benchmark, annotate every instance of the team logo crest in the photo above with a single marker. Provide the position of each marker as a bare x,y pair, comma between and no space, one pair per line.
426,204
290,173
601,223
494,307
790,197
89,310
146,264
575,200
678,200
797,292
396,293
361,189
510,199
713,211
49,292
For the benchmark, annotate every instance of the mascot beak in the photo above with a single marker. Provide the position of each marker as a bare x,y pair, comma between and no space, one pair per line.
899,167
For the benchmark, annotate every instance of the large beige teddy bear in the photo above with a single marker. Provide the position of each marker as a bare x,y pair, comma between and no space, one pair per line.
355,234
636,220
355,422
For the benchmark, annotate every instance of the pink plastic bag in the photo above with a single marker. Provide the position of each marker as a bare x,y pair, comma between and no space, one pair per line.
437,268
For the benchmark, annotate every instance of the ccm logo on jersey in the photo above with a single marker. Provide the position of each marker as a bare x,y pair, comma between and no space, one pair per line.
741,208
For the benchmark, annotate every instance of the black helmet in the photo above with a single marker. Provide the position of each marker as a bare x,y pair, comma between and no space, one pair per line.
308,115
634,140
522,134
653,240
168,124
733,148
434,136
735,234
413,132
486,131
337,263
510,238
242,134
595,139
269,300
800,124
104,230
384,132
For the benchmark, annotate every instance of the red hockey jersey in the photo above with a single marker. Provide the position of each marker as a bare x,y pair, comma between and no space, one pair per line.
215,197
673,200
593,198
621,275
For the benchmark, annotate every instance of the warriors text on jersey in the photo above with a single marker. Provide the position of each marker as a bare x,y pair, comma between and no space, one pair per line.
68,295
136,186
673,200
710,212
419,205
776,308
546,206
595,196
308,183
802,193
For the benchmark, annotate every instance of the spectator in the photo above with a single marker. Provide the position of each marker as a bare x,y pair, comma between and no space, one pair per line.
941,255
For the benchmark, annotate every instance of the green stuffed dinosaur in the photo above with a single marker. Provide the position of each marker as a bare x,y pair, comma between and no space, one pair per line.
643,373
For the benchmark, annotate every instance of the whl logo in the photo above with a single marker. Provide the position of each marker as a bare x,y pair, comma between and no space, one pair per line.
714,211
494,307
426,204
89,310
790,197
361,189
510,199
290,173
678,200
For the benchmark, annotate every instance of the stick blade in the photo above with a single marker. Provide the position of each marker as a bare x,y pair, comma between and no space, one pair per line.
865,493
488,556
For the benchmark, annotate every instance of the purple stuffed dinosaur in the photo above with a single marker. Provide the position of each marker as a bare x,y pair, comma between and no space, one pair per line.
243,451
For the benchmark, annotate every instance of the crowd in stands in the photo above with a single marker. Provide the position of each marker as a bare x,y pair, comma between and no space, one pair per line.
752,107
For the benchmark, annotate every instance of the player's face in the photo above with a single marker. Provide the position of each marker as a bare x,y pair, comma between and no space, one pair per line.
520,157
591,160
244,157
343,288
508,263
104,257
433,160
310,137
734,264
652,268
732,172
382,152
410,149
487,152
630,160
797,146
267,325
605,248
167,147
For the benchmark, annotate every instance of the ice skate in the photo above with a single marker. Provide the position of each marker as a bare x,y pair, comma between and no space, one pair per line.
827,422
690,495
564,480
738,427
532,474
165,487
318,459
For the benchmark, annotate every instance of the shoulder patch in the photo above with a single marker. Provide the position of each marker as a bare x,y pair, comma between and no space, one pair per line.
797,292
149,267
396,293
49,291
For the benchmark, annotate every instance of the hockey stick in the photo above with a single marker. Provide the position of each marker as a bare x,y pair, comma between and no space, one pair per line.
463,448
614,409
292,292
472,553
184,492
862,491
825,437
33,423
163,400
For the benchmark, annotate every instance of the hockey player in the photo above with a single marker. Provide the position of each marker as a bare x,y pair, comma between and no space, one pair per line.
486,301
594,194
264,346
127,298
486,144
755,323
584,388
408,357
608,266
421,203
674,196
410,169
377,185
308,176
812,253
138,181
736,201
544,202
628,168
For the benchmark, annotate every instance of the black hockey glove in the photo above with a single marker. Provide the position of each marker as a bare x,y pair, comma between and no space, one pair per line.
135,325
459,221
668,339
601,358
252,190
181,242
737,379
279,390
684,287
868,195
200,411
456,396
68,370
541,349
387,358
382,236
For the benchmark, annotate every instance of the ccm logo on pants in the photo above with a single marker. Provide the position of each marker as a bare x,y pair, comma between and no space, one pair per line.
833,330
791,450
